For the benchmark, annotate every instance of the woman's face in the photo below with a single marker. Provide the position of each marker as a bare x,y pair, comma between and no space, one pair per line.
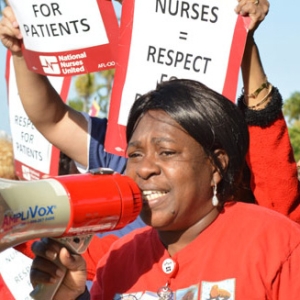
173,172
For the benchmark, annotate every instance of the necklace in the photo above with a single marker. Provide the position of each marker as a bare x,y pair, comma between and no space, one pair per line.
169,267
165,293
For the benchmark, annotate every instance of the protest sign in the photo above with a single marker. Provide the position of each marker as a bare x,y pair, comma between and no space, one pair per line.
34,155
65,38
15,269
162,39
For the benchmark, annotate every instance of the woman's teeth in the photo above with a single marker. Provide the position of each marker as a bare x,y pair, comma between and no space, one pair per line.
150,195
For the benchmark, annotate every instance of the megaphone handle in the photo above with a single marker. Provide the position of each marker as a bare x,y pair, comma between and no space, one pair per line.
75,244
43,292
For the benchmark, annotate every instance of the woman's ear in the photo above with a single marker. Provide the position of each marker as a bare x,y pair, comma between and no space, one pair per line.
223,159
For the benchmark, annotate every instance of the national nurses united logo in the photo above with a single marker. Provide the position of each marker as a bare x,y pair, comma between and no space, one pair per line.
50,64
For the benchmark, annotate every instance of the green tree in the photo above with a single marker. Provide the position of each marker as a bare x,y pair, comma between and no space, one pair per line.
291,111
294,133
104,90
92,87
291,108
76,104
85,86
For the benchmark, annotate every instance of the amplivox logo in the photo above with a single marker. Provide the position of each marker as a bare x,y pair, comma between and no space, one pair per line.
35,212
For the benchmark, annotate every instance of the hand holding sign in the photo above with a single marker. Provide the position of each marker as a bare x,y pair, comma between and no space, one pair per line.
67,38
256,10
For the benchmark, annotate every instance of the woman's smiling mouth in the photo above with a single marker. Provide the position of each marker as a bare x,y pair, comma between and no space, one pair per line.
152,195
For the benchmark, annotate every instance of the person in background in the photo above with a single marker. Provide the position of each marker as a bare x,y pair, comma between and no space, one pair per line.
186,152
261,104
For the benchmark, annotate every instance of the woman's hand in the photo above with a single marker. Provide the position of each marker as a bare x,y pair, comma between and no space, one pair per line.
10,33
44,269
255,9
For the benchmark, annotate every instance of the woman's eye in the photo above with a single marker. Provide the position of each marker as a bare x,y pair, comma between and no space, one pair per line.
133,155
167,153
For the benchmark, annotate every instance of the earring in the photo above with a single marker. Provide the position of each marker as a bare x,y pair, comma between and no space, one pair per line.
215,200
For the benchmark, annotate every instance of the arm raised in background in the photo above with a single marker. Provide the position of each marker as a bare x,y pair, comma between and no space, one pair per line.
61,125
270,158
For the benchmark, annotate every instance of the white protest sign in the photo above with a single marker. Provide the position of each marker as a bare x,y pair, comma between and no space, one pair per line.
14,269
162,39
34,155
67,37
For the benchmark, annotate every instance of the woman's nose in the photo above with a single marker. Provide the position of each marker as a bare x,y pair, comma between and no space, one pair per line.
148,167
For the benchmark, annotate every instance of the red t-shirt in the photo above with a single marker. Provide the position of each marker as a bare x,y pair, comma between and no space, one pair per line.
248,252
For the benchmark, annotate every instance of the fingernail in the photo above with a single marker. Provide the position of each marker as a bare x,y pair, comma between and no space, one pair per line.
50,254
52,280
60,273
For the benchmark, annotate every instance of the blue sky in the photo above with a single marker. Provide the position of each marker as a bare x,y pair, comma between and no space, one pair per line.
278,38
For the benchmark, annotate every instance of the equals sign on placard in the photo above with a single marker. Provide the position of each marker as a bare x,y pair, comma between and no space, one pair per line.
183,35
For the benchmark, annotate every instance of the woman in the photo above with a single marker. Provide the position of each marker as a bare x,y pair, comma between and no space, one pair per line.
186,150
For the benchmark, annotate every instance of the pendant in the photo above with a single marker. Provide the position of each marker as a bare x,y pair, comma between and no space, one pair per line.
165,293
170,267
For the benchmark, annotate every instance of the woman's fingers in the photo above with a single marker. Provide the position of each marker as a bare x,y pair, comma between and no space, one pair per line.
257,10
10,33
